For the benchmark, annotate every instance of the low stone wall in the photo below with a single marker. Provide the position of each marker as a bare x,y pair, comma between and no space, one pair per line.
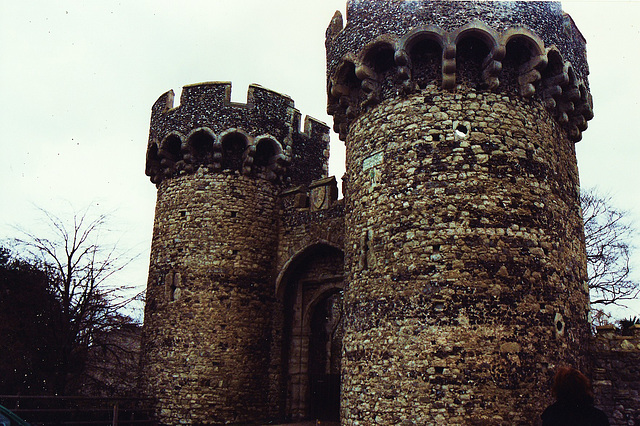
616,374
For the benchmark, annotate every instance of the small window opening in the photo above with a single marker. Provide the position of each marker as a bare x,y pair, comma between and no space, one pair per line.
436,137
234,214
462,129
365,251
172,293
439,370
559,323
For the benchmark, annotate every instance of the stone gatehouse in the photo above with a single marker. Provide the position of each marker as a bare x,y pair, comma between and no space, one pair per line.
448,283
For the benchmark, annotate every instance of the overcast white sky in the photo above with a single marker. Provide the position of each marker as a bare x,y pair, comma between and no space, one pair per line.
78,79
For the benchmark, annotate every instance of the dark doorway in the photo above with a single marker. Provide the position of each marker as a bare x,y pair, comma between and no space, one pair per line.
312,334
325,345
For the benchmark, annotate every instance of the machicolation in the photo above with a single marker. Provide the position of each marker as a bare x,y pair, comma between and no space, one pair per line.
260,137
444,288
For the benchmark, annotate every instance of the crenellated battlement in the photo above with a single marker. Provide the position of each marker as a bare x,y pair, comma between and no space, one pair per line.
261,137
366,20
515,48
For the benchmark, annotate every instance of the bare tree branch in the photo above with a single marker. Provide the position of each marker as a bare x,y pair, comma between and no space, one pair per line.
607,238
81,265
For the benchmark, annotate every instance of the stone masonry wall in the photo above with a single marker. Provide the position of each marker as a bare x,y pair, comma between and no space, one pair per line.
452,275
219,167
209,299
193,133
616,374
366,21
311,226
466,267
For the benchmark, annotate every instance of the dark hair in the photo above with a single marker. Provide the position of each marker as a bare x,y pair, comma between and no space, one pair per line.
570,385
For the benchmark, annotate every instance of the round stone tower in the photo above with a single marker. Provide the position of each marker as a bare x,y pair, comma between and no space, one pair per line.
219,167
465,261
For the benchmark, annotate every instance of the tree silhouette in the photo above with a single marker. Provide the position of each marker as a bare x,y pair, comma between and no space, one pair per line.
607,238
78,263
28,314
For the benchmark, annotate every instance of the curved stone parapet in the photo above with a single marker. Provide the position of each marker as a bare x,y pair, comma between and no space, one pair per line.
510,50
261,138
232,150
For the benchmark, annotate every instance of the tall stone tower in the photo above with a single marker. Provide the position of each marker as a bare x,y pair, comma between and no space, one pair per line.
219,168
464,251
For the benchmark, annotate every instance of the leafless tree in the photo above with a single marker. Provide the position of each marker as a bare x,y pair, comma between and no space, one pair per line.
80,264
608,235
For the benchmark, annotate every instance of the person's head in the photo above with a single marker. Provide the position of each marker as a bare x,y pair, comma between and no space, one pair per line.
571,385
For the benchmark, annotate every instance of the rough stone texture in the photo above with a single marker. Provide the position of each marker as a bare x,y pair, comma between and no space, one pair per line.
206,126
616,374
212,343
466,285
208,316
395,48
310,264
465,265
366,21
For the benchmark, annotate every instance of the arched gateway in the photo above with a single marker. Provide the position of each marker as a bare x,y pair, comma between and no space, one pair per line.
311,291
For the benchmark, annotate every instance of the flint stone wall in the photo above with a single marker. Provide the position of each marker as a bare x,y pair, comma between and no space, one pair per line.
209,299
466,266
616,374
311,243
366,21
461,231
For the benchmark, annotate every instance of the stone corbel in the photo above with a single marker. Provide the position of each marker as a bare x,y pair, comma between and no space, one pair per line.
449,67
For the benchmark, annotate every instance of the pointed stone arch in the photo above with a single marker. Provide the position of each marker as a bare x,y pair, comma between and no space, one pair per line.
311,280
298,257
